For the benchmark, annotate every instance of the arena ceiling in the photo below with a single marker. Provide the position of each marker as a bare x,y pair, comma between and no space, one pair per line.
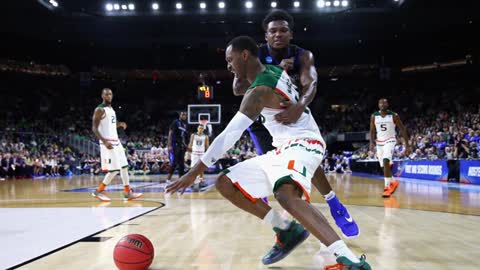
378,28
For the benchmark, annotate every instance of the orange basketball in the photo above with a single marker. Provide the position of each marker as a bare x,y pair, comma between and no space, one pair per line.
133,252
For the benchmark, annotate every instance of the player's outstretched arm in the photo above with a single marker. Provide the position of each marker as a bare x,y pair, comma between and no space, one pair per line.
252,104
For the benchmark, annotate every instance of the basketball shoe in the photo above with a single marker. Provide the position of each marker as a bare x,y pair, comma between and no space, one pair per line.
101,196
388,191
131,195
287,241
343,219
345,264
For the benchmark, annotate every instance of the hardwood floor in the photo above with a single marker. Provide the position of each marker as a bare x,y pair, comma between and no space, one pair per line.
425,225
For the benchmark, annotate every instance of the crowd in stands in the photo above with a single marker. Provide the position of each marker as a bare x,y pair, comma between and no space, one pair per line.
147,156
453,134
33,68
33,155
441,126
450,131
26,155
337,163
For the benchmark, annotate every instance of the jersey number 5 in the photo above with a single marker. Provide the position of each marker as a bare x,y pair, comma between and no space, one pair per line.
383,127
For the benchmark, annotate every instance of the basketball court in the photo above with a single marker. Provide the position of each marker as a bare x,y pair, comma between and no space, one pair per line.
55,223
336,63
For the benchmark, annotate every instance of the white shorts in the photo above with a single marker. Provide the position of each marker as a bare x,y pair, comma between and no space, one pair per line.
385,150
113,159
296,160
195,159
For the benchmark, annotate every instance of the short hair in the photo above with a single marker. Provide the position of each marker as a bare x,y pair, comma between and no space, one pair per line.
241,43
277,15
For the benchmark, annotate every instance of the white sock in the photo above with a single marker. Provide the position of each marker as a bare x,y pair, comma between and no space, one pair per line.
339,249
277,220
125,176
387,181
329,196
109,177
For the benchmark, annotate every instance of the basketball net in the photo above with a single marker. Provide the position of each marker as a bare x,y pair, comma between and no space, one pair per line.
208,127
204,123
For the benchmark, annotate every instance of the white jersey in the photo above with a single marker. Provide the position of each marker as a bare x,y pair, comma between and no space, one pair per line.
198,147
305,127
108,125
385,126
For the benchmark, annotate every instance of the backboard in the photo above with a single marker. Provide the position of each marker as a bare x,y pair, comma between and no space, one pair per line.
210,112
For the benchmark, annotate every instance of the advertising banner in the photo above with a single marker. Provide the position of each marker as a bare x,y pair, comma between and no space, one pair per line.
470,171
422,169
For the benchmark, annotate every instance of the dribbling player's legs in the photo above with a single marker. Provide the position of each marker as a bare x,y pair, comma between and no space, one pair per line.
320,181
338,211
290,233
289,196
228,190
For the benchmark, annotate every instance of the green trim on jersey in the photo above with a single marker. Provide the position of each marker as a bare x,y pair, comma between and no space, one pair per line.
283,180
389,112
269,77
101,105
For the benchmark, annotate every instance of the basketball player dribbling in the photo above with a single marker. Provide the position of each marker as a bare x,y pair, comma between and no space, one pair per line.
286,171
299,63
197,146
112,153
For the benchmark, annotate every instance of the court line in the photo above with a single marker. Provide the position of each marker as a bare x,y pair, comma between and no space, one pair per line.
66,199
80,240
423,182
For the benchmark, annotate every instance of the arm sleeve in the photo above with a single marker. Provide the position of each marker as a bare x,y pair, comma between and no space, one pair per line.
225,140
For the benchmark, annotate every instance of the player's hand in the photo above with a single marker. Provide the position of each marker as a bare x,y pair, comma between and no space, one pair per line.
291,114
108,145
185,181
408,150
122,125
287,64
372,147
